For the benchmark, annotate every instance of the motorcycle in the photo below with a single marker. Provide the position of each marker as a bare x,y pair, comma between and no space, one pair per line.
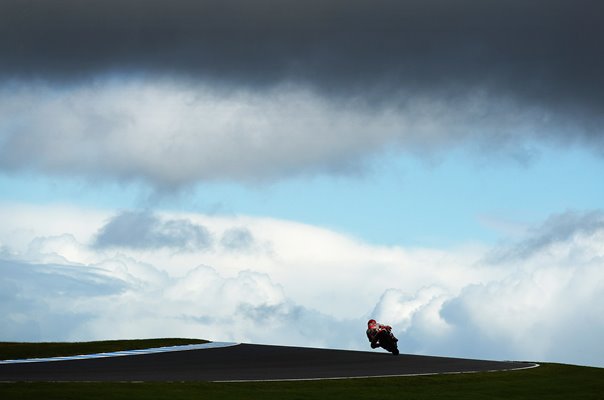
387,340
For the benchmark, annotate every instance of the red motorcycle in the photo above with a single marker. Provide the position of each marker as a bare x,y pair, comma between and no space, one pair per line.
385,339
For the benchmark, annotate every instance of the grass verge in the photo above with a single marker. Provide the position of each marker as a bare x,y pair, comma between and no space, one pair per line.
550,381
19,350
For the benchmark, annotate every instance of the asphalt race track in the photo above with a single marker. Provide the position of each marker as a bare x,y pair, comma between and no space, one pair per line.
246,362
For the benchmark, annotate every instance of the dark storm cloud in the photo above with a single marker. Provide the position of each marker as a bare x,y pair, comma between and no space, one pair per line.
177,92
546,50
144,230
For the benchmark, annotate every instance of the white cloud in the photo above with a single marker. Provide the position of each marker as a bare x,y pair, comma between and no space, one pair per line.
460,302
400,309
545,312
50,301
171,134
547,306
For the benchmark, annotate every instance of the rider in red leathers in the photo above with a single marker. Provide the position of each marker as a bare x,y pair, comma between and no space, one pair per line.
376,331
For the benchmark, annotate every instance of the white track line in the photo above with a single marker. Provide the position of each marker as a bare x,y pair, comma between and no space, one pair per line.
210,345
535,365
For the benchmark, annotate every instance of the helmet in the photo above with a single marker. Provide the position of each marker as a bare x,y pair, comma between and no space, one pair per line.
371,322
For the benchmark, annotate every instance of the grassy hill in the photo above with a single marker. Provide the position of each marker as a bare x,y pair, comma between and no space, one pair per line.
19,350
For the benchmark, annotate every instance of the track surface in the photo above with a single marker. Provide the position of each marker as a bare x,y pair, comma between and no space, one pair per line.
243,363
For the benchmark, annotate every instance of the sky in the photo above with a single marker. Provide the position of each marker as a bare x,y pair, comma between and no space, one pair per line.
280,172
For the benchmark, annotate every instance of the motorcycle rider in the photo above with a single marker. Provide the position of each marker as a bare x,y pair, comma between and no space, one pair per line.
376,330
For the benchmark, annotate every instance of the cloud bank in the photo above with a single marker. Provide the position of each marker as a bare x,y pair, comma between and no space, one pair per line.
170,135
463,302
174,93
548,50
